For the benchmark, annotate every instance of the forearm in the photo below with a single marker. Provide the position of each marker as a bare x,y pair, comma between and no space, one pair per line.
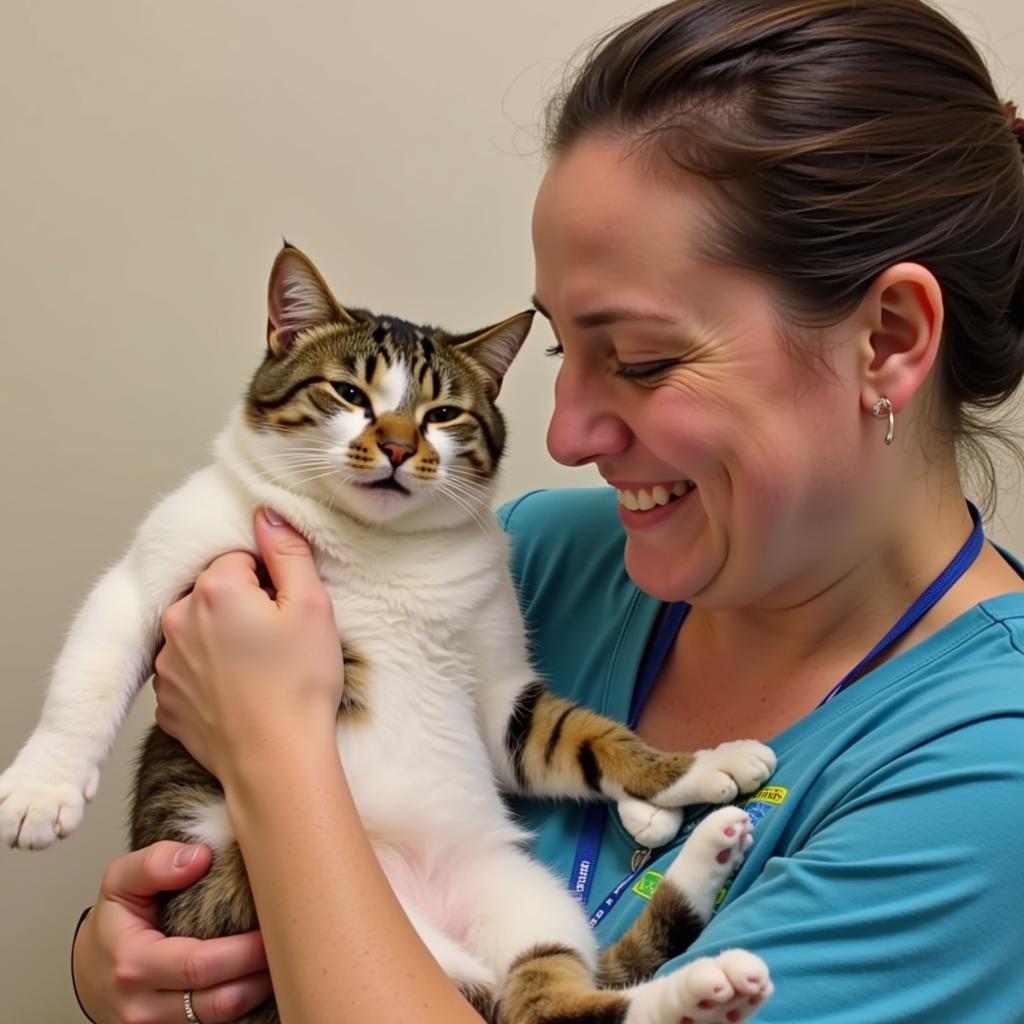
339,944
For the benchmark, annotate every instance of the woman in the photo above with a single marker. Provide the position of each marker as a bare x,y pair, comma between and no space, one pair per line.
782,246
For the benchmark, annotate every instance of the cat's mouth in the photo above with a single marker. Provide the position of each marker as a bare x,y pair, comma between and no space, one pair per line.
389,483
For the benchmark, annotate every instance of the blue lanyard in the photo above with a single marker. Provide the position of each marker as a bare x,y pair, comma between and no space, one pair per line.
596,815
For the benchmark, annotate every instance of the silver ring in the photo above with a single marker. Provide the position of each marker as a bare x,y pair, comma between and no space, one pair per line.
190,1014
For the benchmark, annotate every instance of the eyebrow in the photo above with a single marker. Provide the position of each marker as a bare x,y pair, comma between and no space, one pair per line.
611,315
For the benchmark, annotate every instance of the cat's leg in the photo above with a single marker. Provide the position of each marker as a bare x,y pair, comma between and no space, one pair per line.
683,902
545,744
551,985
109,653
529,928
534,935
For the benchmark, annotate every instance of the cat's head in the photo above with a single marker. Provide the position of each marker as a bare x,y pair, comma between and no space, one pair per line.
381,419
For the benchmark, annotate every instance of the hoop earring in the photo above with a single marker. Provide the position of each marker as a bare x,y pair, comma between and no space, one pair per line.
883,407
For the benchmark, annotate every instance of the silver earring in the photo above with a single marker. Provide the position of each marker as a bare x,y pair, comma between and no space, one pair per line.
883,407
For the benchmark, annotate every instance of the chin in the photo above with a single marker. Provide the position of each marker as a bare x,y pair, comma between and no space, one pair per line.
665,577
400,511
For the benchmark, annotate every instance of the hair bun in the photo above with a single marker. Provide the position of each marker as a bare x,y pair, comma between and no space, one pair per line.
1016,122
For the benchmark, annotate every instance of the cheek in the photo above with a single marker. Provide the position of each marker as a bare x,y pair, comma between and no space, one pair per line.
443,445
353,438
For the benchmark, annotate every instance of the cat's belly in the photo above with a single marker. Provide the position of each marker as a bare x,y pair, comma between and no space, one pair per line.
434,786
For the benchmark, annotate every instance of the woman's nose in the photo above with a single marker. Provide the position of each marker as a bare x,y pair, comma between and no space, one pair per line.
583,426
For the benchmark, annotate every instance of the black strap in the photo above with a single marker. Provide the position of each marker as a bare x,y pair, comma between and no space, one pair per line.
74,987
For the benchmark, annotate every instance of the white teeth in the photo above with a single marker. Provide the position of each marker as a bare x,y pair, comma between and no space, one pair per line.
646,498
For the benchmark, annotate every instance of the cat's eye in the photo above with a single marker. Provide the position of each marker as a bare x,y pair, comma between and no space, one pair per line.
351,394
442,414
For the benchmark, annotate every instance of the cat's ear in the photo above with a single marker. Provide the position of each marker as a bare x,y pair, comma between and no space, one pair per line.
495,347
298,298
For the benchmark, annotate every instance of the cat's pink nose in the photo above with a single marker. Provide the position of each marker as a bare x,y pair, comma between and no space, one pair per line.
396,452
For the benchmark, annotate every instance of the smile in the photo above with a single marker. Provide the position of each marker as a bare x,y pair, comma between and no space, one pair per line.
653,497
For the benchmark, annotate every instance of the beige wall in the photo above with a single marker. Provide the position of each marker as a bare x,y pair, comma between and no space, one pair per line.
152,157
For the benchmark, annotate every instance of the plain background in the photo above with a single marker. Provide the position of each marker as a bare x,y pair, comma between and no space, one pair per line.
152,157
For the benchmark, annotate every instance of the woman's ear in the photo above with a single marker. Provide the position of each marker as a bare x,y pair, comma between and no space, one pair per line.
902,318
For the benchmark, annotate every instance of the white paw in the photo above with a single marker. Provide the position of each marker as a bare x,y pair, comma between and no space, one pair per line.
725,989
719,775
34,814
710,855
650,826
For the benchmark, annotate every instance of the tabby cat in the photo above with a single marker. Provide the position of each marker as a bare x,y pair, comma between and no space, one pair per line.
379,440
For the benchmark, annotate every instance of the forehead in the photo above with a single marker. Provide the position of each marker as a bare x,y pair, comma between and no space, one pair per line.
609,219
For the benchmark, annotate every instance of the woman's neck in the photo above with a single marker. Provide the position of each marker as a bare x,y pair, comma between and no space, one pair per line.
753,672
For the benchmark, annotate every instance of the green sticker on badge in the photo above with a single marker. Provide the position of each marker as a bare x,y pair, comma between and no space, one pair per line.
646,884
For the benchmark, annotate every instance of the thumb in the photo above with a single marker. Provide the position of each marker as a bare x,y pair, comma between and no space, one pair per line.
137,877
287,556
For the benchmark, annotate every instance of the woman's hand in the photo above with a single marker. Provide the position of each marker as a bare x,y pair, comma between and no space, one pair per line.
244,674
126,970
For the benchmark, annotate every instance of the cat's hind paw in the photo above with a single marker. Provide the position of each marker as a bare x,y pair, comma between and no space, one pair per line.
720,774
725,989
650,826
34,814
709,856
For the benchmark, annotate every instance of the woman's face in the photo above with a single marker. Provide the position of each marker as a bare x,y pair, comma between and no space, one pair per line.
733,458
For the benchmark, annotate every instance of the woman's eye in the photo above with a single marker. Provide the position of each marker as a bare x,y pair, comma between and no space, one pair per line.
442,414
553,350
351,394
638,371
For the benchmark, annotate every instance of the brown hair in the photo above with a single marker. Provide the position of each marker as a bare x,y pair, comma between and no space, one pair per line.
845,136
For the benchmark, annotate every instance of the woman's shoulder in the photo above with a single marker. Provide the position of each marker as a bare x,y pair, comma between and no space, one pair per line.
575,529
584,615
558,513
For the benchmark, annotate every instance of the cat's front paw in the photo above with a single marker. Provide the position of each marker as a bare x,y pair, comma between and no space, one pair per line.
649,825
720,774
34,814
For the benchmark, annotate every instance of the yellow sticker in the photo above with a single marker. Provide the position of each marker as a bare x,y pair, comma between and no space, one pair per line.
769,795
647,883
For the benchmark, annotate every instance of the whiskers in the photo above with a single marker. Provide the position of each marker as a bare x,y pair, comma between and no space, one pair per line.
298,465
467,491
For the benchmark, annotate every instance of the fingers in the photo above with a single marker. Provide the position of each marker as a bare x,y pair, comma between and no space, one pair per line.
289,562
137,877
222,1004
227,573
200,964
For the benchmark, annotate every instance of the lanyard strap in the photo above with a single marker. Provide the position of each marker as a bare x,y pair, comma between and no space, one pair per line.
938,588
596,815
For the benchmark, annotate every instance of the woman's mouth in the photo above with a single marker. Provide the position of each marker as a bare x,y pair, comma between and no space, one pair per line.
644,499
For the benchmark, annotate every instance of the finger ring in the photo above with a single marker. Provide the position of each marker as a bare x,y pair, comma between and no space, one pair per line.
190,1014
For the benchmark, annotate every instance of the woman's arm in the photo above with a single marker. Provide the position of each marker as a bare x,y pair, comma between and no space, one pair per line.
250,684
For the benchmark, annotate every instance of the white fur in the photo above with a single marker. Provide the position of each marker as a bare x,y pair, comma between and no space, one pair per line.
433,617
